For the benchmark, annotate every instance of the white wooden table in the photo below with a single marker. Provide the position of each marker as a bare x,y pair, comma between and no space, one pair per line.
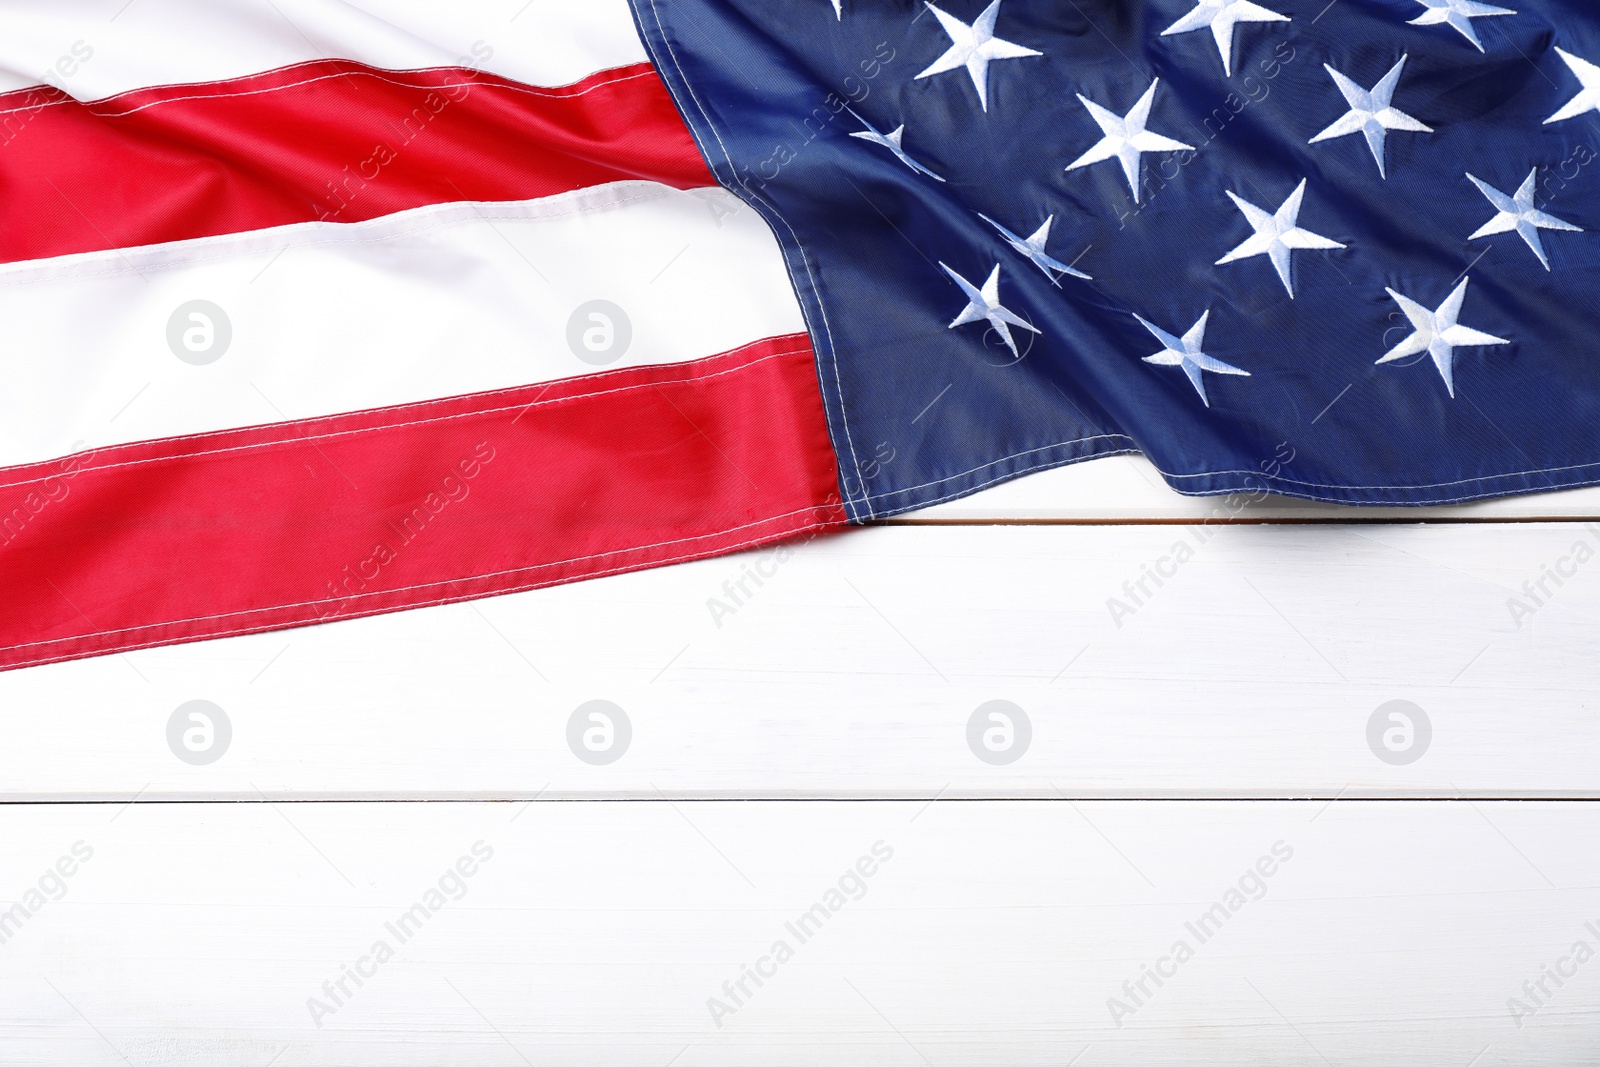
1186,839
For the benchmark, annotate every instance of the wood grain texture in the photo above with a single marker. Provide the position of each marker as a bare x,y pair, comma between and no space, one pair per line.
614,918
1386,934
853,669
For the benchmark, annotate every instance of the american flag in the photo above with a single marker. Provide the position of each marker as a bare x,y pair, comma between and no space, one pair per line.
1343,251
317,310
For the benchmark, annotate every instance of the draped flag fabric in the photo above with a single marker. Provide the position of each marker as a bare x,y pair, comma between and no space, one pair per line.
317,309
1343,251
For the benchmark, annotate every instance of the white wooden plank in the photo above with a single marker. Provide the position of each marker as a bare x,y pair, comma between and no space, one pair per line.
854,669
1394,934
1129,487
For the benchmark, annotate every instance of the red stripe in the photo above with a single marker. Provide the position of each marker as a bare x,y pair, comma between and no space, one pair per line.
294,523
330,140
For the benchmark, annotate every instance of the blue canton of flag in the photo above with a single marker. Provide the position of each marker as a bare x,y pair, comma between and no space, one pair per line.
1346,251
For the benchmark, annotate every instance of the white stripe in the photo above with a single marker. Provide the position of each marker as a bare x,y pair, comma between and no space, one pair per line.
93,50
332,317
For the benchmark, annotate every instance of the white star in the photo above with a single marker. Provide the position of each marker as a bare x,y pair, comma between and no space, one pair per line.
1459,14
983,305
1371,113
1126,138
1033,248
1277,234
891,141
838,9
1186,352
1588,99
974,47
1438,333
1220,16
1518,213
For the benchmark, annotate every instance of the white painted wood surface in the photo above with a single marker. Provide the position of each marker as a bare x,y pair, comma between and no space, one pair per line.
853,670
1393,935
620,897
